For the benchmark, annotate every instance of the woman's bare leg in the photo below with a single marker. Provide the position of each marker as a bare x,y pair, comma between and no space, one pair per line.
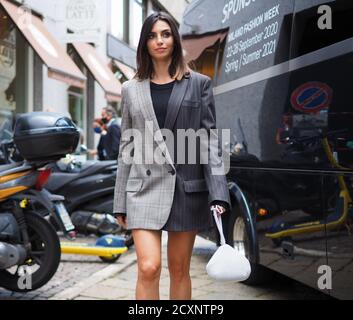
148,249
180,246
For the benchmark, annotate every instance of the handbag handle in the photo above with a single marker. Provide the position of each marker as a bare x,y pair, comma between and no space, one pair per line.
218,220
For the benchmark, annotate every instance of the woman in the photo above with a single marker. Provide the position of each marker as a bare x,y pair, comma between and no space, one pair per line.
175,196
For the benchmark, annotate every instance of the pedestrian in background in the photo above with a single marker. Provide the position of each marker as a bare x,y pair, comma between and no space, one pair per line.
99,128
111,139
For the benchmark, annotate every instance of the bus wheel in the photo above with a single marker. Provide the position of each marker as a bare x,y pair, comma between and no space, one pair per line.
238,237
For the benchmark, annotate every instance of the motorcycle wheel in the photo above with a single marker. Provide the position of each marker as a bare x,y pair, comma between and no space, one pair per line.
43,259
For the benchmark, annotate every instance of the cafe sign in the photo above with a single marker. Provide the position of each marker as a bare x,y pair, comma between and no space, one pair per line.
83,20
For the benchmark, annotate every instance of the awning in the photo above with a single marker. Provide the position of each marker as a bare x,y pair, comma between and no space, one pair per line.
128,72
60,66
100,70
193,47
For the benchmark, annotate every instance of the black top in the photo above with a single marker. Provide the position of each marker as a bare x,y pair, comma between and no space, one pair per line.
160,94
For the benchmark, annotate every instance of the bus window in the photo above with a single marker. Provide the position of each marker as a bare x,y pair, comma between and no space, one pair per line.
320,99
309,37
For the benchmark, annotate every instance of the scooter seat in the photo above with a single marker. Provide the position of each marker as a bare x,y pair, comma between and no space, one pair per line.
11,168
96,166
58,179
93,167
5,167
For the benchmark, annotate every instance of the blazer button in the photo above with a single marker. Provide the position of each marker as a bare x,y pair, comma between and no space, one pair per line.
172,172
148,172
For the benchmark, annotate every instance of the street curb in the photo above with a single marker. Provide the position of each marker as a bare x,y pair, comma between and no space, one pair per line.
73,292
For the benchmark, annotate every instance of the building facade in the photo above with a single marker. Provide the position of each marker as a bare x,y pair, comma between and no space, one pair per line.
98,37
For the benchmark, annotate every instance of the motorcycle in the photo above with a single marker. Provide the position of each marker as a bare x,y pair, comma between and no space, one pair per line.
88,189
29,245
41,201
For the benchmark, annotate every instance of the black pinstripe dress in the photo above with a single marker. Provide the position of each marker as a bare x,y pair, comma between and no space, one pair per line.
182,216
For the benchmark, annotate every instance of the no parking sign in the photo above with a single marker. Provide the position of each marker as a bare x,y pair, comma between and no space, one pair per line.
311,97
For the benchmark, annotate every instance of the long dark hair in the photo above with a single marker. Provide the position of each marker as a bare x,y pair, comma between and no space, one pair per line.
178,67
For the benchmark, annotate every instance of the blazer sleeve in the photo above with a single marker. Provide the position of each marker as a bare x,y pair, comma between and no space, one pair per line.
213,170
125,149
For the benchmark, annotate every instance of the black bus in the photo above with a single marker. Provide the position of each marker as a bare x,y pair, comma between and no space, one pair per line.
282,73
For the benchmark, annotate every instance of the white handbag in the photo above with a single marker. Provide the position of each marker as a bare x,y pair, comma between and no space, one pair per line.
226,263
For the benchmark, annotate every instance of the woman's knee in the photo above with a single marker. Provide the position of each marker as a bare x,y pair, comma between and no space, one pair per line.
149,270
178,270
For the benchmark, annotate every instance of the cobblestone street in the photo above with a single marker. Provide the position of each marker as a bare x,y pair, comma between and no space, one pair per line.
88,278
72,269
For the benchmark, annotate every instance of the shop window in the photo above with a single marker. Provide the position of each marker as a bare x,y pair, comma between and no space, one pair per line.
127,17
118,74
137,13
122,78
76,107
118,19
7,73
77,98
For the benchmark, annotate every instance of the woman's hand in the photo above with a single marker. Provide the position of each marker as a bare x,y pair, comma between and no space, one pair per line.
122,221
92,152
219,209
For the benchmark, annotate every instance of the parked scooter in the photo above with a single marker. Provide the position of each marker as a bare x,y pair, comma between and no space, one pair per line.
28,243
29,246
41,201
87,186
88,189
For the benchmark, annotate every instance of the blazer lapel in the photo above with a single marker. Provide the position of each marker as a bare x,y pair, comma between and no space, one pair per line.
175,100
147,105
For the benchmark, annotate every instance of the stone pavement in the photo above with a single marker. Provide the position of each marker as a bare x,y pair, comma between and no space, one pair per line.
88,278
72,270
117,281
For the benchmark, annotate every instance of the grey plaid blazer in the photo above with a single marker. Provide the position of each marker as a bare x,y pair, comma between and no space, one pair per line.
149,192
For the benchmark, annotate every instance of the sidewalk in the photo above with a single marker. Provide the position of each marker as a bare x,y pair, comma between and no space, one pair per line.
117,281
